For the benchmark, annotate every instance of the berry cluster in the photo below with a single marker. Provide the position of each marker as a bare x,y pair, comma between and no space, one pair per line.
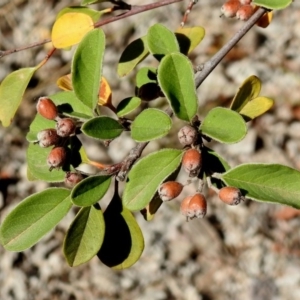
57,137
194,206
241,9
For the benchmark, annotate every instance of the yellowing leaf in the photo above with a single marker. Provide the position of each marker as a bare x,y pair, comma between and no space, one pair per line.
104,93
257,107
249,90
189,38
70,28
65,82
265,20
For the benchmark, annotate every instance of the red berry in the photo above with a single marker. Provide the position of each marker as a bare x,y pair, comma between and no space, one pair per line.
187,135
72,178
194,206
65,127
231,195
46,108
192,162
170,190
47,138
230,8
244,2
57,158
245,12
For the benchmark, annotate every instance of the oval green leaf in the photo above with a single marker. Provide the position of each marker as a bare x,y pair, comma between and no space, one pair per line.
35,216
87,67
273,4
90,190
149,211
161,41
147,174
128,105
150,124
133,54
12,90
224,125
256,107
85,236
176,79
123,242
103,128
266,182
247,91
189,38
146,75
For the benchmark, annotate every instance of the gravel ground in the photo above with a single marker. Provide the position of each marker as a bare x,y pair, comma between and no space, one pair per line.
245,252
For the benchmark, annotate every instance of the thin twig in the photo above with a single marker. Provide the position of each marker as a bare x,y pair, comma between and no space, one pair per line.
134,10
209,66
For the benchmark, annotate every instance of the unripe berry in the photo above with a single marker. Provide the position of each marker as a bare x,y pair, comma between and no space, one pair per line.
245,12
230,8
192,162
187,135
46,108
194,206
72,178
169,190
47,138
231,195
57,158
65,127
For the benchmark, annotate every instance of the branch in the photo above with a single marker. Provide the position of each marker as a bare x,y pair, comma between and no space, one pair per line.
134,11
206,68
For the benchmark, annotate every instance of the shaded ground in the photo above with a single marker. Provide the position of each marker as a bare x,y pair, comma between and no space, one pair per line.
245,252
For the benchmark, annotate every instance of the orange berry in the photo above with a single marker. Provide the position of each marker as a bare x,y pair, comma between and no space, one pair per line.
170,190
192,162
245,12
187,135
194,206
65,127
46,108
230,8
231,195
244,2
57,158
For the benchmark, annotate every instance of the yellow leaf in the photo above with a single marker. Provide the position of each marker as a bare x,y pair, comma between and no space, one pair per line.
189,37
249,90
65,83
256,107
105,94
70,28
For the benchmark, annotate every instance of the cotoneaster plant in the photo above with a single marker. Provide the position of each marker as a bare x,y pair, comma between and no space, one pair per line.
55,153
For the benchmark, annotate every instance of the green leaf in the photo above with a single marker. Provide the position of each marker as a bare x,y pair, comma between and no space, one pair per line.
128,105
90,190
133,54
248,90
39,123
150,124
94,14
147,174
266,182
256,107
103,128
123,241
213,162
38,167
161,41
70,105
85,236
189,38
12,90
176,79
273,4
35,216
146,75
149,211
87,67
224,125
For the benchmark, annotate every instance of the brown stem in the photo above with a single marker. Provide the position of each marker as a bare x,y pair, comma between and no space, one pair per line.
50,53
209,66
134,10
